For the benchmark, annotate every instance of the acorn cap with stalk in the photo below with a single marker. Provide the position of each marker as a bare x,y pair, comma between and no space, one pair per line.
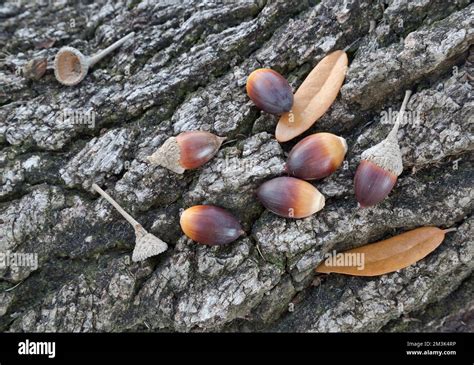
71,66
146,244
380,166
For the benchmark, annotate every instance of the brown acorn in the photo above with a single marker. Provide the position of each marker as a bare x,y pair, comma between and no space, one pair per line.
188,150
210,225
290,197
270,91
35,68
316,156
380,166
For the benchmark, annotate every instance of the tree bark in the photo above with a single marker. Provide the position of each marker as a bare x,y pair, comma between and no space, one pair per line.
185,69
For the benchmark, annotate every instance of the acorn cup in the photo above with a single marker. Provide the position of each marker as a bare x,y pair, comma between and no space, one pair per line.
188,150
146,244
380,166
316,156
270,91
210,225
290,197
71,66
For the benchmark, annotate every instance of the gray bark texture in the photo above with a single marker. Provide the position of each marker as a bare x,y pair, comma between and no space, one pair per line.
185,69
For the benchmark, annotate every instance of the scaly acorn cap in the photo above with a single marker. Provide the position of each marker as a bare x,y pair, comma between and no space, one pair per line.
147,245
168,155
387,154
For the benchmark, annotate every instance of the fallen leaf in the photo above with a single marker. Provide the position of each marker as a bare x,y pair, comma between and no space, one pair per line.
386,256
314,97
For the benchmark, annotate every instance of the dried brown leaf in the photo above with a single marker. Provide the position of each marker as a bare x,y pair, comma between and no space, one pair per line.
388,255
314,97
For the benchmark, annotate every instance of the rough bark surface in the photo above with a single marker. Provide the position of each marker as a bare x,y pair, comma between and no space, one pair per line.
186,69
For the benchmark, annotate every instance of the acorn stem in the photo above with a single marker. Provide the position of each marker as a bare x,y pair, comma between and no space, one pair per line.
450,230
394,131
101,54
127,216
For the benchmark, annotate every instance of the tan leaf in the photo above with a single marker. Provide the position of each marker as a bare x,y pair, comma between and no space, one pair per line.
388,255
314,97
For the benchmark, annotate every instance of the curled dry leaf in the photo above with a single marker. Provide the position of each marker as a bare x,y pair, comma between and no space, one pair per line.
386,256
314,97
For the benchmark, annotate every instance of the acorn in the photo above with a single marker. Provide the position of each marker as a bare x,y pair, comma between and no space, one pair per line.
380,166
210,225
316,156
290,197
270,91
188,150
35,68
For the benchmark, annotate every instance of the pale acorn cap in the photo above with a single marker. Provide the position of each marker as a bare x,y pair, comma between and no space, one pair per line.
147,245
168,155
386,155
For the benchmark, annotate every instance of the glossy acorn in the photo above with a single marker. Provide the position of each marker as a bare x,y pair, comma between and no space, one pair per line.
372,183
270,91
380,166
210,225
188,150
316,156
290,197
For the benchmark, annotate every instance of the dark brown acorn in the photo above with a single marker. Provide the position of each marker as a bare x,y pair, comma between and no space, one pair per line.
316,156
270,91
210,225
188,150
372,183
290,197
380,166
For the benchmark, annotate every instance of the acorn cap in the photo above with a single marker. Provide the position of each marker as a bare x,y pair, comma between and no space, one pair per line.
70,66
168,155
147,245
386,154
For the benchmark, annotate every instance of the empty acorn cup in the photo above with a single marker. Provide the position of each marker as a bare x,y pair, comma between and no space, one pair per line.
270,91
210,225
188,150
71,66
146,244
